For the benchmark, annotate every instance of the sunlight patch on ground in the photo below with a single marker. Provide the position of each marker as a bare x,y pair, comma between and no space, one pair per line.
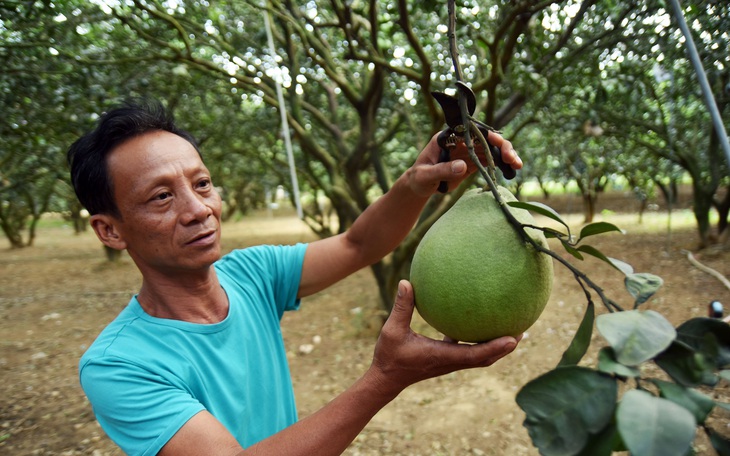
652,222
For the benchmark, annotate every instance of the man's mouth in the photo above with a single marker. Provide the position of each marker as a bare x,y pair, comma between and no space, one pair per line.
203,238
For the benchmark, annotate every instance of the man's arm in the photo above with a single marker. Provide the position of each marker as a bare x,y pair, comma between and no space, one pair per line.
386,222
402,358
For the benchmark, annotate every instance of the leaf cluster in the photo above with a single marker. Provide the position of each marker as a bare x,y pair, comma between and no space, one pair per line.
665,371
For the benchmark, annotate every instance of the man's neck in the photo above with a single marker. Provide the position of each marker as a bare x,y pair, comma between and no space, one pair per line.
195,299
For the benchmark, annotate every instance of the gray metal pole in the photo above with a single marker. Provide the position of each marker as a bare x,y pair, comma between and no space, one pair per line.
285,125
704,83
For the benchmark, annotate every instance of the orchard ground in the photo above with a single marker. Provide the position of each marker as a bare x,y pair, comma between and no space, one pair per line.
56,296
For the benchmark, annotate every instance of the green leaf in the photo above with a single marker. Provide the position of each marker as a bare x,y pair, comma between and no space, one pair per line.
564,406
719,443
701,349
551,233
697,403
582,339
686,366
642,286
652,426
604,443
709,336
622,266
590,250
593,229
607,363
542,209
725,374
570,249
636,336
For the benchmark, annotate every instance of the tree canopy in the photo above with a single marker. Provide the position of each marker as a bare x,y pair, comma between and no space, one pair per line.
587,91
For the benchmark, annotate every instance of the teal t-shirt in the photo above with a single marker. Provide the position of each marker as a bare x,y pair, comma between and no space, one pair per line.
145,377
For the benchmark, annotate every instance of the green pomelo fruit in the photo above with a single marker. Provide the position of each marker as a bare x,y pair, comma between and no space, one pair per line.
474,277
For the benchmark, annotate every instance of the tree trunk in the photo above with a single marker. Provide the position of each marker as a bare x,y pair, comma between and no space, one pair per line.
589,206
669,191
32,229
12,225
543,188
14,237
723,208
643,202
381,274
112,255
702,204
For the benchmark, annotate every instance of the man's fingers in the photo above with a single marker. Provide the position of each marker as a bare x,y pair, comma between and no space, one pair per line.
483,354
456,356
402,311
509,154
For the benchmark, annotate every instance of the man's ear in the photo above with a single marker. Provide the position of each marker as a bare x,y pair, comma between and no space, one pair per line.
106,229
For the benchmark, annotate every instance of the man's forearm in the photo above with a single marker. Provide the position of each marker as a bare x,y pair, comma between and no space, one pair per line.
330,430
386,222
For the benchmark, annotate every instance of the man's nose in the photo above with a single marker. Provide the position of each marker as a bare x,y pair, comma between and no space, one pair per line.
195,207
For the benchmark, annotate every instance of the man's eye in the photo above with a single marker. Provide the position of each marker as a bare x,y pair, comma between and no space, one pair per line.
163,196
205,183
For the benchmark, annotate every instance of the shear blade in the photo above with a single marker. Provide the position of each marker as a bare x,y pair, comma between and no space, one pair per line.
450,104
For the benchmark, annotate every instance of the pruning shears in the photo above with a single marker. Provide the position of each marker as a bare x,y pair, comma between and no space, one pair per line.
449,138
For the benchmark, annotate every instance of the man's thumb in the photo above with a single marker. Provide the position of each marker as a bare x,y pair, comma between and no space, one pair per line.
403,307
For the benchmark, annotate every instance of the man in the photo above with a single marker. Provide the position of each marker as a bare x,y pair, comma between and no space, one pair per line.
195,364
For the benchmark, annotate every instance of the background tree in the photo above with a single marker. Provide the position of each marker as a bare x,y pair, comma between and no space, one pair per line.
655,102
357,79
34,87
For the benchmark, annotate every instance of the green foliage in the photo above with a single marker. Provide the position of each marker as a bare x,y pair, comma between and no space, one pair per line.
636,336
654,426
562,423
642,286
658,421
580,343
573,410
357,79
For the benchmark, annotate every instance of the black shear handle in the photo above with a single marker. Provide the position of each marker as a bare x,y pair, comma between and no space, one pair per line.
445,155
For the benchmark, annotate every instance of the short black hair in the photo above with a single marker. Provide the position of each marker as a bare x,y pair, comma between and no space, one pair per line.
87,156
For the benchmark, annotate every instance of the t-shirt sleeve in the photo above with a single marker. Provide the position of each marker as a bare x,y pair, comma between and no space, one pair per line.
139,411
277,269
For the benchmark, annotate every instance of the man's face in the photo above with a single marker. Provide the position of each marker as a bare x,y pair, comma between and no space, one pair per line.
170,211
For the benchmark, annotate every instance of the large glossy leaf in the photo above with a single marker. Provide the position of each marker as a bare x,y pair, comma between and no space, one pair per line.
642,286
593,229
564,406
636,336
542,209
709,336
652,426
582,339
607,363
697,403
686,366
604,443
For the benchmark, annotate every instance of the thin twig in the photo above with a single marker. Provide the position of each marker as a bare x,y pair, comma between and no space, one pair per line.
582,279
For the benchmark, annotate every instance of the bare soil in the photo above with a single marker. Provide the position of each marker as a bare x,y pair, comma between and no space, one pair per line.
56,296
